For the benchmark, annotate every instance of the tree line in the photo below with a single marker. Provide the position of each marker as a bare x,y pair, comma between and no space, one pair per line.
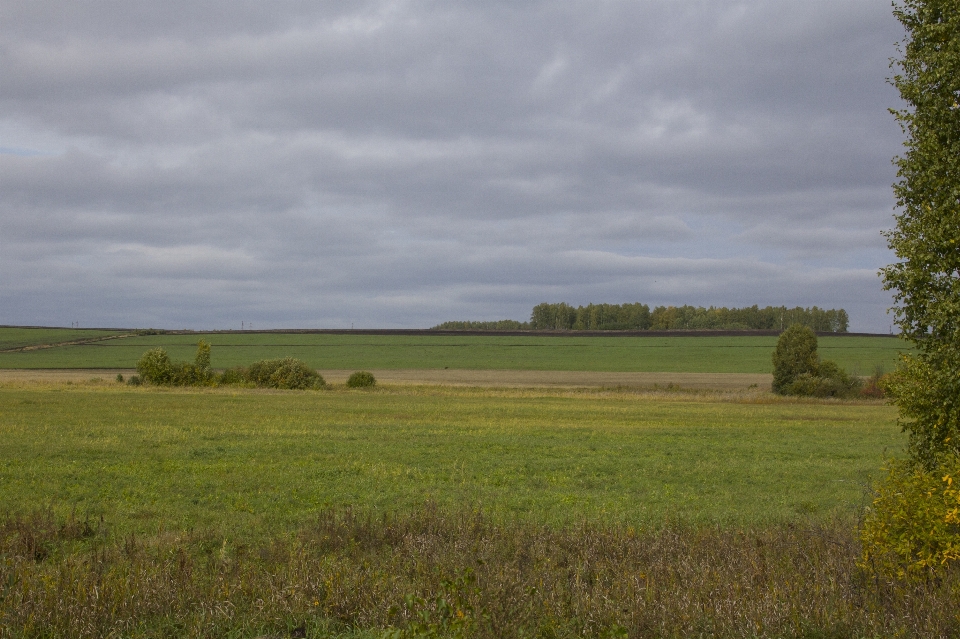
639,317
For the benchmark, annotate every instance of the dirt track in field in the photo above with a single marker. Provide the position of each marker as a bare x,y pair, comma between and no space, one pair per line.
459,377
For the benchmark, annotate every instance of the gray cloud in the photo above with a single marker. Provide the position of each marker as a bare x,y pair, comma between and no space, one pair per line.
402,163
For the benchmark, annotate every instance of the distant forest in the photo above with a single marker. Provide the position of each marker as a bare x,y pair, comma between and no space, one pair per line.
639,317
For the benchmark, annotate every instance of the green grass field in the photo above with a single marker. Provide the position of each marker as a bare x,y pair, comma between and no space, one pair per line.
14,337
860,355
254,461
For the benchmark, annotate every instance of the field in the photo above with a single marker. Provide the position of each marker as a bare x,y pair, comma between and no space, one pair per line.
860,355
18,337
543,500
258,460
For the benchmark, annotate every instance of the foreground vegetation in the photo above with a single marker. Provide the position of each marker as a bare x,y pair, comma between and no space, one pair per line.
435,573
913,528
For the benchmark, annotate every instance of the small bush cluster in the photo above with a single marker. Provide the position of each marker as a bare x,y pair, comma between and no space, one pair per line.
286,373
361,379
912,530
798,369
876,385
156,367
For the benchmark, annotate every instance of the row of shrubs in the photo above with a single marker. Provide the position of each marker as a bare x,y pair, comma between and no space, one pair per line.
156,367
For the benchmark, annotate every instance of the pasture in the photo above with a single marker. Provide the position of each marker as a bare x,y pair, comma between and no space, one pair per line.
252,460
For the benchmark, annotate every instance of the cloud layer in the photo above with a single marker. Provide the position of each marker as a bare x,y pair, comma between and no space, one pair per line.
398,164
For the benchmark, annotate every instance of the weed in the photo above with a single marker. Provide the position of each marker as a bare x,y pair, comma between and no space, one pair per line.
437,573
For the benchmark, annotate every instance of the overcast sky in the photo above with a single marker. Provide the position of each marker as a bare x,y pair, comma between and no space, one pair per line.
190,164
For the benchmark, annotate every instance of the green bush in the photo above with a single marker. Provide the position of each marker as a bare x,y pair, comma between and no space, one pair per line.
795,355
361,379
260,371
829,380
912,529
155,367
798,369
287,373
294,374
236,376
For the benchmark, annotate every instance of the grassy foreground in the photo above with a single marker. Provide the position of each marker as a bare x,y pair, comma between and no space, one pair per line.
858,355
432,573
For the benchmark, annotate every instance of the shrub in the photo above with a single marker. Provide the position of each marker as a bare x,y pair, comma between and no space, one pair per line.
233,377
283,373
829,380
294,374
361,379
798,370
912,529
134,380
876,385
155,367
260,371
202,359
120,378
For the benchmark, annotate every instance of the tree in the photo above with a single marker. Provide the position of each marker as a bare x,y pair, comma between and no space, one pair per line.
795,355
926,238
798,369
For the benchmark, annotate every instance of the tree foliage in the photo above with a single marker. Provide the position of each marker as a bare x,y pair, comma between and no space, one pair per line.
494,325
926,238
911,529
798,369
636,316
156,367
795,355
639,317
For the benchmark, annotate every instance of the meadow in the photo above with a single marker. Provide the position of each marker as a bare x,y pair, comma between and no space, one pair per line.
748,354
253,461
426,511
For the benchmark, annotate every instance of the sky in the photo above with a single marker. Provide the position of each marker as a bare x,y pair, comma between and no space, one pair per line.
397,164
